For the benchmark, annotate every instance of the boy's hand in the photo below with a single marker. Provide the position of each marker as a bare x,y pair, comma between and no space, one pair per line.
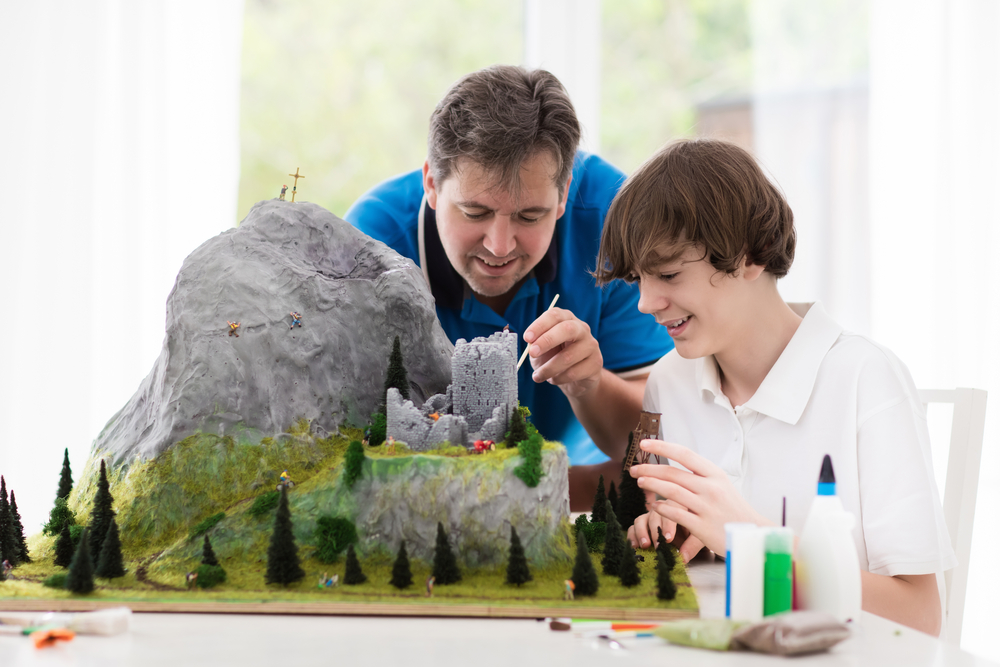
563,352
643,534
703,500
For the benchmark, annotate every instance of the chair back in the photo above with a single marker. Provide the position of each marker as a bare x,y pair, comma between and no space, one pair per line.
960,488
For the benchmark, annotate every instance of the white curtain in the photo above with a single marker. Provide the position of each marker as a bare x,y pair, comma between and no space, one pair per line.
119,154
935,228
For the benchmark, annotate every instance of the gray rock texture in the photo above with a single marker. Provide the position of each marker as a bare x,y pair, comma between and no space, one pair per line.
354,295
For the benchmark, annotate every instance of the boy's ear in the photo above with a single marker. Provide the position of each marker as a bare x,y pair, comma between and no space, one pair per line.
751,271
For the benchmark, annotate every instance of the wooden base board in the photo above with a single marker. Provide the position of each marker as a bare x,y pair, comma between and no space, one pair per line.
358,609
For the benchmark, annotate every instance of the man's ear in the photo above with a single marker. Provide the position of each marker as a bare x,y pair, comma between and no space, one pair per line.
430,188
564,198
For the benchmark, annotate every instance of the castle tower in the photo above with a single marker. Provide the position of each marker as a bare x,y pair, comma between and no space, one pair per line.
484,376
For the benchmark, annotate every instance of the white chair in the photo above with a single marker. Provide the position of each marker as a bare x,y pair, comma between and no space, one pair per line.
961,485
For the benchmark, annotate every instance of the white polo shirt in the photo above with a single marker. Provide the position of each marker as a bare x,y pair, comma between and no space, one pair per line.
830,392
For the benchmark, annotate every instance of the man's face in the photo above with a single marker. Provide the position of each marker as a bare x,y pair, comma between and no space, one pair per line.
492,237
700,306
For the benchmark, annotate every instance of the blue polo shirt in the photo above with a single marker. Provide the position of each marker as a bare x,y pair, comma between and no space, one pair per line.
629,340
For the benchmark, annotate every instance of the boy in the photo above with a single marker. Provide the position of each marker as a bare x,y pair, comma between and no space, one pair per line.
757,390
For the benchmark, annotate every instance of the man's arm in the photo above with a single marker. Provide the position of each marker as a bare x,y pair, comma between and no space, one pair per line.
610,410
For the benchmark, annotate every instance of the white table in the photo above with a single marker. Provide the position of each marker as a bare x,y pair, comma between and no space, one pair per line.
180,640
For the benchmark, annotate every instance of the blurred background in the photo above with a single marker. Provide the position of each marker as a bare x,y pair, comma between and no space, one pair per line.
131,131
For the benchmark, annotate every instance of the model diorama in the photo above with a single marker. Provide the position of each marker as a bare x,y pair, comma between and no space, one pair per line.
418,480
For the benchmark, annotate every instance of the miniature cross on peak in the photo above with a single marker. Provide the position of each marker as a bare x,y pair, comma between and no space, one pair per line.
295,183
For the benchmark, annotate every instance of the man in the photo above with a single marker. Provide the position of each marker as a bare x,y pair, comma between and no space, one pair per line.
504,216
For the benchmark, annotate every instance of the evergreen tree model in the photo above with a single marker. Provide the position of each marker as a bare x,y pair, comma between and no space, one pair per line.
614,544
445,569
59,515
65,478
208,554
22,545
282,554
396,375
101,515
584,577
613,497
662,547
517,565
80,578
518,430
64,547
631,500
9,546
401,575
109,563
598,511
628,571
665,587
352,569
354,462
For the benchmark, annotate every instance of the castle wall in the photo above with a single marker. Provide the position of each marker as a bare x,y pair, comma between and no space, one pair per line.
484,377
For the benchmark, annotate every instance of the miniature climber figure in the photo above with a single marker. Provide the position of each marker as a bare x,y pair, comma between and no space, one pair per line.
570,587
430,585
285,481
296,320
283,189
233,326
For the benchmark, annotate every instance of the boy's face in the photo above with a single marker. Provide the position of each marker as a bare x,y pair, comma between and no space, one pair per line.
699,305
492,238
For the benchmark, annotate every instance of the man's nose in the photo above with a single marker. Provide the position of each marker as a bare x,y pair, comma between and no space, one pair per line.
500,240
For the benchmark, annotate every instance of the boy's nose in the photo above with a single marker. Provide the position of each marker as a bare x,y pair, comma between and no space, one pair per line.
648,303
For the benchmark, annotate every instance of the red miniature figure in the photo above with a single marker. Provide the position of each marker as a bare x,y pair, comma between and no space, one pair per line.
233,326
483,445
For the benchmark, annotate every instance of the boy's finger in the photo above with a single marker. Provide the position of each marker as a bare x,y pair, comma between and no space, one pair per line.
670,491
681,454
692,545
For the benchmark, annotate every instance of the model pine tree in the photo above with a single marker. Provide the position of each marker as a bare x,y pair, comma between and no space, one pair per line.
208,554
354,462
662,547
628,570
65,478
22,545
584,577
445,569
614,544
109,563
396,375
631,500
10,547
352,569
613,497
598,511
60,515
80,578
517,565
101,515
282,554
64,547
518,431
401,575
665,587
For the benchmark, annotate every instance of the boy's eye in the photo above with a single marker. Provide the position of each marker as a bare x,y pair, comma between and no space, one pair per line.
632,277
667,276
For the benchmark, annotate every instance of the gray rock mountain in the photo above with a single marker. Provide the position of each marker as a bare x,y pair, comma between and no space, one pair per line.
354,295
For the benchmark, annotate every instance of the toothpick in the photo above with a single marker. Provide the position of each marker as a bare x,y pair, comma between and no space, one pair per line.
526,347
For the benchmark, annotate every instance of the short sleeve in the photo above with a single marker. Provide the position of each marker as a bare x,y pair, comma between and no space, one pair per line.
901,512
629,339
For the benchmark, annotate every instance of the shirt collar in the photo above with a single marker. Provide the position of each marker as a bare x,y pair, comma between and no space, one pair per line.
786,389
447,286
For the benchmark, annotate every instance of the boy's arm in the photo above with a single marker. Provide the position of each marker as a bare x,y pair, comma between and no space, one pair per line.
909,599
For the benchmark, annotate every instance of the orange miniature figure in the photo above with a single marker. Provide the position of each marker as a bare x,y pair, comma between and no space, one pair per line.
233,326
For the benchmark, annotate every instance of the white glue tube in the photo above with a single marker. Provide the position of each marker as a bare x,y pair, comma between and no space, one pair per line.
747,574
730,529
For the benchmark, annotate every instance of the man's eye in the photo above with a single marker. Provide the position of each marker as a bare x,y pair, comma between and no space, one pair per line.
475,216
529,220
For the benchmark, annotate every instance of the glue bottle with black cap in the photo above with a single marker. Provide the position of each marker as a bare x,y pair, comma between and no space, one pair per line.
827,571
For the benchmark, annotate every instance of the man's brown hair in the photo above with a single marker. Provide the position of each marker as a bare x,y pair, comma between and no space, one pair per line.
497,118
704,193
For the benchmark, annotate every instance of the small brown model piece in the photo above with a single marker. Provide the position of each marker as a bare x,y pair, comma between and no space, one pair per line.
295,183
649,427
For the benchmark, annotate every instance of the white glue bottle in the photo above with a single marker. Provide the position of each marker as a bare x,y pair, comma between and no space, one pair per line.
827,571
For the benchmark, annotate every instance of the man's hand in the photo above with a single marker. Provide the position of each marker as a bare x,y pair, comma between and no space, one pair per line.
563,352
702,500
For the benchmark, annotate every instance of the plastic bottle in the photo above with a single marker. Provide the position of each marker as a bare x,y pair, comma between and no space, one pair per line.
778,570
827,571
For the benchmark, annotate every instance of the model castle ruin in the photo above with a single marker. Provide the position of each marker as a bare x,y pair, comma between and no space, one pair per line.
478,402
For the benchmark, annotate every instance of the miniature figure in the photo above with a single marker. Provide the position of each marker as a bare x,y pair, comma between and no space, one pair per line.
329,582
295,183
569,588
296,320
281,197
7,567
390,444
285,482
191,579
430,585
233,326
483,445
435,416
